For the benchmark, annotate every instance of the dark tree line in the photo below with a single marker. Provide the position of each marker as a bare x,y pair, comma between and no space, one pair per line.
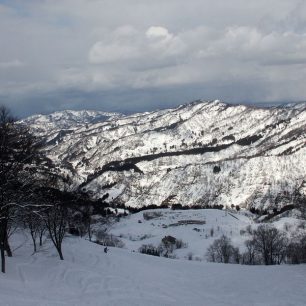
223,251
267,246
18,148
57,212
33,194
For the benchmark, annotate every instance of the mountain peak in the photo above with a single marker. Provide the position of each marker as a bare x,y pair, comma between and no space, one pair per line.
67,119
200,153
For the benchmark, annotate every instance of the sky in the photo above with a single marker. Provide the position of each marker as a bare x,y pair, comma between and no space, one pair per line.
141,55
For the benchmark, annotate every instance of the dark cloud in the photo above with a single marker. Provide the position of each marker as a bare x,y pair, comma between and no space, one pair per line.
140,55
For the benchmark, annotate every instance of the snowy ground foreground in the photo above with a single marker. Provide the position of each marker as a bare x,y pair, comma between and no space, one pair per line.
135,231
88,276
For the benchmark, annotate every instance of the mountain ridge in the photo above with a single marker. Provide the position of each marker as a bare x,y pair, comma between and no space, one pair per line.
149,157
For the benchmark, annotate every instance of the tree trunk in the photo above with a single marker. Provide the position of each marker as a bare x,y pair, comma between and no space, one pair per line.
2,245
7,247
89,232
2,258
40,239
59,250
34,243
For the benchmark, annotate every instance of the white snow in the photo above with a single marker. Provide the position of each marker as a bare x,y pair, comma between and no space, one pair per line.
251,175
90,277
134,231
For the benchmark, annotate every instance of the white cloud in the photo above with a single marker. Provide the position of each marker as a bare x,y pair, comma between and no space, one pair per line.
156,57
158,33
135,47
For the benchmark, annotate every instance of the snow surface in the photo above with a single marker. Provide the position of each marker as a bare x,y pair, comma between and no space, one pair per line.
134,231
263,173
88,276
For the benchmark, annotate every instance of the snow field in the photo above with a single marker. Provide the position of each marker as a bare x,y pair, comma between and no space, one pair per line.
135,231
90,277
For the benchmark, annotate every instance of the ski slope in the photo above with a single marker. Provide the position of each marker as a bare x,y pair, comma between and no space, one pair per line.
205,226
88,277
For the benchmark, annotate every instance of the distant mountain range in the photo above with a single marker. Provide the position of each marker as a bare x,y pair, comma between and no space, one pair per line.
196,154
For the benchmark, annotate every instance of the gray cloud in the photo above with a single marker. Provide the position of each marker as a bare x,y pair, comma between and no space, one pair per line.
11,64
140,55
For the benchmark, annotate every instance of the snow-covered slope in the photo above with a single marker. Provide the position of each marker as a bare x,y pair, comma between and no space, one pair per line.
198,153
87,276
197,229
65,120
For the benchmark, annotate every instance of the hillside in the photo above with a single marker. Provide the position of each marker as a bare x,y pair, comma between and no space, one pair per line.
197,229
90,277
196,154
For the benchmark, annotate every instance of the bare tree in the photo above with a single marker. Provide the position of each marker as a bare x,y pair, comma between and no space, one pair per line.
56,215
82,218
249,256
300,199
222,251
87,220
33,220
296,250
17,149
270,244
56,223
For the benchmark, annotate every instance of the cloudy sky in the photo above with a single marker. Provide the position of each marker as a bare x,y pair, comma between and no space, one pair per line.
136,55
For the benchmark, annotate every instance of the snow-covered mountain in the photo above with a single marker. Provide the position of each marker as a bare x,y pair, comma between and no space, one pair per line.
198,153
66,120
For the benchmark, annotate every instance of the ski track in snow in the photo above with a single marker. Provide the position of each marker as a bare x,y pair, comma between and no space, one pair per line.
90,277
